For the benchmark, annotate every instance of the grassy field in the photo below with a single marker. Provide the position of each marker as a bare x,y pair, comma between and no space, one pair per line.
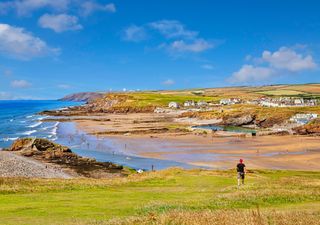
166,197
151,99
141,99
282,93
247,92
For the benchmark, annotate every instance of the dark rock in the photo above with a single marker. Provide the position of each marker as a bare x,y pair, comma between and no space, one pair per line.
309,129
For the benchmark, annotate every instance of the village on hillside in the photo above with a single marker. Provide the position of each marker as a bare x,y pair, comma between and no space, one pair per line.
267,102
301,118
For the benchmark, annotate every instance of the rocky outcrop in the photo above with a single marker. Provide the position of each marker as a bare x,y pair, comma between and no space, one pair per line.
110,103
309,129
239,120
47,151
83,97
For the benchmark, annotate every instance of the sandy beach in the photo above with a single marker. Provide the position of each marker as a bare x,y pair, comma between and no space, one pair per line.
221,151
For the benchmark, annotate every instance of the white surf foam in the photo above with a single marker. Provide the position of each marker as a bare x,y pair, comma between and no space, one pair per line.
53,133
43,117
29,132
35,125
10,139
54,139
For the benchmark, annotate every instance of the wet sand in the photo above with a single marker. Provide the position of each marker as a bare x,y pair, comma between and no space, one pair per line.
270,152
261,152
139,137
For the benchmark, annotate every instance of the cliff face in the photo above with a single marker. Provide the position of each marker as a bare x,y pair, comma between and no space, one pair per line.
83,97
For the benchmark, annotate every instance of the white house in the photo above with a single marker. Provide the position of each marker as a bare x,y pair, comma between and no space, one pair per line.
202,104
189,103
225,102
298,101
235,100
270,103
230,101
303,118
174,105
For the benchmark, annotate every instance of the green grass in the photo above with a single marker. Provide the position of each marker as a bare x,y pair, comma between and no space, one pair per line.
289,93
41,201
282,92
142,99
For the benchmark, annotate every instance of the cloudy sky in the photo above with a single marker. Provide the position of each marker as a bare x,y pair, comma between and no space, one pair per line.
52,48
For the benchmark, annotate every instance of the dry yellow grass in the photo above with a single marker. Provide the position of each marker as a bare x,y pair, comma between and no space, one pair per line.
223,217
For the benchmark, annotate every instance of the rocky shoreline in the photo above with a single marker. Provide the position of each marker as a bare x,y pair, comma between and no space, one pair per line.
174,123
14,165
35,157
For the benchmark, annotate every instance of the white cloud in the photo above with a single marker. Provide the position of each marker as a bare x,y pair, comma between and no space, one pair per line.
88,7
249,73
11,96
6,72
176,39
20,84
134,33
64,86
168,82
173,29
196,46
288,59
207,67
6,96
59,23
285,60
18,43
26,7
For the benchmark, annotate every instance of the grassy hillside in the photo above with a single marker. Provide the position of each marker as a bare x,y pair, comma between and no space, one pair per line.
147,101
167,197
247,93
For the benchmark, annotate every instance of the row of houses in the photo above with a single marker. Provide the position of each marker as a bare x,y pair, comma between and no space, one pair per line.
188,104
303,118
284,102
267,102
230,101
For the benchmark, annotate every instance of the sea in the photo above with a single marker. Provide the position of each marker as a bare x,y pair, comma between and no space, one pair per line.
19,119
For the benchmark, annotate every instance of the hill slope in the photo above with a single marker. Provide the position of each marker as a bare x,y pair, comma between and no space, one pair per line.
82,97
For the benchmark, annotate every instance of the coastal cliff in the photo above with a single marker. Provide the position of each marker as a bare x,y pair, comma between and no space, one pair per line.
82,97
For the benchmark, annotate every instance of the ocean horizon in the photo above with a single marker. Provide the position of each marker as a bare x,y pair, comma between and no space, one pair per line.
20,118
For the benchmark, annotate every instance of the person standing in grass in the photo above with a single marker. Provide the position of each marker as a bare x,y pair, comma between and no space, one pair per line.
241,169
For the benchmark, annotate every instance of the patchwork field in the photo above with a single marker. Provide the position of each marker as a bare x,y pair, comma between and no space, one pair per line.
172,196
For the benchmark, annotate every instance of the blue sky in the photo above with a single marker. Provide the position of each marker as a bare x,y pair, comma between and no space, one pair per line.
52,48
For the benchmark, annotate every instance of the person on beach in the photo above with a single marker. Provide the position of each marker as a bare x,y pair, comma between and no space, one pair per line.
241,169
